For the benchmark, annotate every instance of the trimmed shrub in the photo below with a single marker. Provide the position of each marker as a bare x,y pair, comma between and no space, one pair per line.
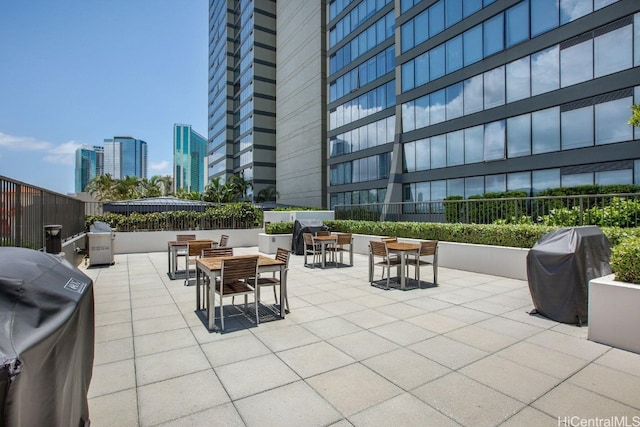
625,260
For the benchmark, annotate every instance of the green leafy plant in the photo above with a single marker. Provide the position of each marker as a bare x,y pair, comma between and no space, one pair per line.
625,260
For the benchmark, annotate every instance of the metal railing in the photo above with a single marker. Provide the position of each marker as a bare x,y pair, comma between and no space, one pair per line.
621,210
26,209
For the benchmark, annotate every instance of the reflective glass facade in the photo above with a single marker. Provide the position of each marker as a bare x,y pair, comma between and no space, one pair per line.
125,156
88,165
189,159
241,132
485,97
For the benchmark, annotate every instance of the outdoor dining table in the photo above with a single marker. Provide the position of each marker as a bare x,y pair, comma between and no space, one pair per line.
173,247
211,267
324,241
403,250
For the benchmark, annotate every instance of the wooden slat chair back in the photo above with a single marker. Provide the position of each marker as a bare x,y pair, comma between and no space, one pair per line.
380,256
194,250
281,255
310,248
343,239
323,233
185,237
235,276
213,253
224,241
427,248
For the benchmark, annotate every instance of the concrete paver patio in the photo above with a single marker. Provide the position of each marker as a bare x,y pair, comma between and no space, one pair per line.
349,354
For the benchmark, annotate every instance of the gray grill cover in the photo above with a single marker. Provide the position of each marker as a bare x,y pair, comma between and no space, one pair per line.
559,267
46,340
304,226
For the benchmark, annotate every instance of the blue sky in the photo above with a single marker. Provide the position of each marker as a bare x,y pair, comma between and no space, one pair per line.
75,72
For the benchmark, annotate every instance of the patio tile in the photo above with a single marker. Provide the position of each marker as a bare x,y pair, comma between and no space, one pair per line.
402,332
568,344
112,317
109,306
249,377
448,352
468,402
368,318
331,327
405,368
234,349
362,345
400,310
411,410
568,400
151,301
113,332
489,306
436,322
342,307
294,404
373,300
464,314
530,417
322,297
178,397
512,379
113,351
163,341
353,388
427,304
150,312
158,324
103,412
307,314
621,360
551,362
608,382
483,339
285,338
112,377
509,327
169,364
223,415
314,359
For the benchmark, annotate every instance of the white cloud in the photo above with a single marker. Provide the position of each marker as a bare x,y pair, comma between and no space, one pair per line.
63,154
163,167
23,143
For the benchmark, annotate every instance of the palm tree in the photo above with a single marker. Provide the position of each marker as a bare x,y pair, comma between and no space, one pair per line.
167,184
635,115
151,187
268,194
128,188
188,195
216,191
102,187
240,186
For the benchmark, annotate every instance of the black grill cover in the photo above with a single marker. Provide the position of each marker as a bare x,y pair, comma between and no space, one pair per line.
304,226
559,267
46,340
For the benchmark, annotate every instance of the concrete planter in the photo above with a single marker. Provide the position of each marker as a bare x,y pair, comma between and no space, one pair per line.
494,260
614,318
156,241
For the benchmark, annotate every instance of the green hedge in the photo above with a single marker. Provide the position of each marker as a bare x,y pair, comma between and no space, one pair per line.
625,260
231,216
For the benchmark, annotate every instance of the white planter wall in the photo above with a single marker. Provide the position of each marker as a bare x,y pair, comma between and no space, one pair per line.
495,260
614,314
291,216
156,241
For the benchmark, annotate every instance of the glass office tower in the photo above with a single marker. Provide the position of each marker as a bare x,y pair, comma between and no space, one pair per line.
242,85
480,96
189,159
89,164
125,156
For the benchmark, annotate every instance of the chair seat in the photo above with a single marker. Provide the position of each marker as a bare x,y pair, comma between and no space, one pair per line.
236,287
392,261
266,281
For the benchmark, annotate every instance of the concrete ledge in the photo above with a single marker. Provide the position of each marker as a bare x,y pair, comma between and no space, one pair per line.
614,318
494,260
156,241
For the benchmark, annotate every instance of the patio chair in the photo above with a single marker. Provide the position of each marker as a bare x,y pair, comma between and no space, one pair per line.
224,241
323,233
428,248
344,240
311,248
194,251
281,255
213,253
235,276
183,238
378,255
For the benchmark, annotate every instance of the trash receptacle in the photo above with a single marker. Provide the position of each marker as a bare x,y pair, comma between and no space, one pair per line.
47,340
559,267
53,238
100,244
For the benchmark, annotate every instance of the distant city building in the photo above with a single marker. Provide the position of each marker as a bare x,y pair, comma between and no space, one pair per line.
189,159
89,164
125,156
